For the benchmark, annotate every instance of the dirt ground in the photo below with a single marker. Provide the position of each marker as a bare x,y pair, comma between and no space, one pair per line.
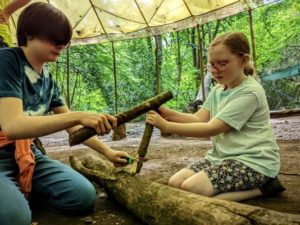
166,156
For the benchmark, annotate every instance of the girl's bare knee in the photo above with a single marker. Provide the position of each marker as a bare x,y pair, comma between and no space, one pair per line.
178,178
175,182
198,187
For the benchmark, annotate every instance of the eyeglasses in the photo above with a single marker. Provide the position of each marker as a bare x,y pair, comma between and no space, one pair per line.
216,66
219,66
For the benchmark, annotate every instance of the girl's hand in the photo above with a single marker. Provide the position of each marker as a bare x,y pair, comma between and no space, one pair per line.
118,158
154,119
102,123
164,111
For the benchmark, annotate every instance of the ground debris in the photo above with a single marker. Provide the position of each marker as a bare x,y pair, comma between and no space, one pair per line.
88,220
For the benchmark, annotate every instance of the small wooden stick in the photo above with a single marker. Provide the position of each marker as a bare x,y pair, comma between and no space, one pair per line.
142,151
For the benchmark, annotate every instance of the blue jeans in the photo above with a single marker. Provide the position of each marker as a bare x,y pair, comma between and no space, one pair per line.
57,186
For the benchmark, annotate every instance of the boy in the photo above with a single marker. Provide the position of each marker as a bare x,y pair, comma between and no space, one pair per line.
27,94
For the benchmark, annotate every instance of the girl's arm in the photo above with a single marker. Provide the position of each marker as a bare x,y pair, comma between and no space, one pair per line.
174,116
198,129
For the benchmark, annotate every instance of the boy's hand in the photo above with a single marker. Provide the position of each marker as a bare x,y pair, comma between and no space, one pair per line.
118,158
102,123
154,119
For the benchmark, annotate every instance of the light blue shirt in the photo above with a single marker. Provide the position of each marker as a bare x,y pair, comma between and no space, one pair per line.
251,139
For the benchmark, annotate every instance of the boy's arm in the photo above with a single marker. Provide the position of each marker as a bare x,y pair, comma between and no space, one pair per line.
16,125
94,142
11,8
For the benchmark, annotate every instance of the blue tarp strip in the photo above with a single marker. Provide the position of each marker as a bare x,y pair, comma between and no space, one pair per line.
292,71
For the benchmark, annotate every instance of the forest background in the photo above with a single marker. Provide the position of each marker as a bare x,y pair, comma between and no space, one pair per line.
112,77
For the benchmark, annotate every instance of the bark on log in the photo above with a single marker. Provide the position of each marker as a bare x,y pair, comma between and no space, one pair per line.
151,104
156,203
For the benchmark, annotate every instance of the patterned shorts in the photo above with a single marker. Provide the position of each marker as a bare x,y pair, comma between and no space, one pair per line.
230,176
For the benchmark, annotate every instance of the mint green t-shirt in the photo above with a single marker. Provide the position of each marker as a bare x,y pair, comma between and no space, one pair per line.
251,139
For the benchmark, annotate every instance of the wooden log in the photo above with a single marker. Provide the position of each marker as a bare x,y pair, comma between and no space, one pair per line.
284,113
156,203
84,133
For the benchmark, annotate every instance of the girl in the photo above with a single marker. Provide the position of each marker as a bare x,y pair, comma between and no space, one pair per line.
245,157
27,94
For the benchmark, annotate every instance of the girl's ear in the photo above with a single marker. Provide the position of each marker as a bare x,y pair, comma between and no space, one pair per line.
246,59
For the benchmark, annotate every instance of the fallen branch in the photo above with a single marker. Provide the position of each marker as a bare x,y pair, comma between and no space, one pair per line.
156,203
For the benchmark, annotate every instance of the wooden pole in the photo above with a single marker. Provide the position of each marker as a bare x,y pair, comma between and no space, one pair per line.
68,78
142,151
84,133
115,76
158,60
201,61
120,131
252,37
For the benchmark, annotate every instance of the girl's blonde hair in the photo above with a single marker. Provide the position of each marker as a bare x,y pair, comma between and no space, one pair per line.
238,44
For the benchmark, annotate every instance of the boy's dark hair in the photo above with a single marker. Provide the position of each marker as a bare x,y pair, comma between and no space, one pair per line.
43,21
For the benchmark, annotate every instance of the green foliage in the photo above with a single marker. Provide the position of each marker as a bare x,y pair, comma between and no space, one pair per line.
277,38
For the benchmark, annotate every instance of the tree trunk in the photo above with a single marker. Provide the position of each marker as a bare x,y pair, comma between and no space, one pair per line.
156,203
152,63
68,78
194,48
158,60
154,103
252,37
179,64
75,87
201,64
119,132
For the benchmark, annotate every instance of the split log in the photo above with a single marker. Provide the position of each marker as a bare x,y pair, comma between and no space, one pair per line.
156,203
84,133
284,113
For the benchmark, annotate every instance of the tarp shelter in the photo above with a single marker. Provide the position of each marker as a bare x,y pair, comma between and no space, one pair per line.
97,21
292,71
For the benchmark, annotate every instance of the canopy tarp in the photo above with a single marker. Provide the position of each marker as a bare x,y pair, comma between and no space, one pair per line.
97,21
